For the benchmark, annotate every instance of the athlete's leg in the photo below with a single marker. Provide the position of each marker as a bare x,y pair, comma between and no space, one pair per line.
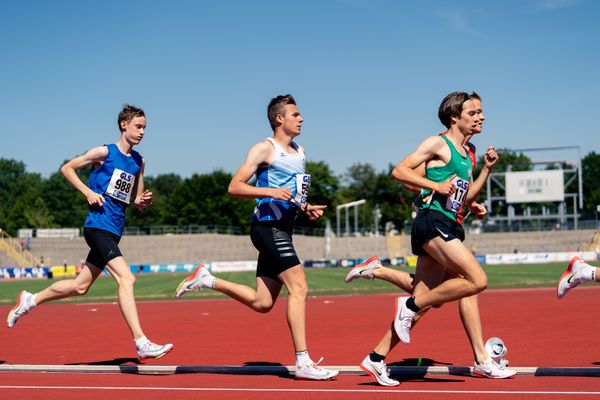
70,287
261,300
58,290
428,275
468,308
396,277
119,269
294,280
577,272
457,258
387,342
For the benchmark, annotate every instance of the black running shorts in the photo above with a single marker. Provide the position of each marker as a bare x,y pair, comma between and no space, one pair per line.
104,246
429,224
276,253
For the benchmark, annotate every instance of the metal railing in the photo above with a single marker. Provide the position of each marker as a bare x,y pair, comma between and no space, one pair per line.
12,248
181,230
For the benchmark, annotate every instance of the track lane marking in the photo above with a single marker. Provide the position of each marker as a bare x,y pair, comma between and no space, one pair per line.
267,390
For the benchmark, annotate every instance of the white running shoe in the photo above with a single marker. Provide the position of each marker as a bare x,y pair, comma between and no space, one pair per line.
312,371
21,308
569,278
403,319
378,371
153,350
364,269
199,279
491,369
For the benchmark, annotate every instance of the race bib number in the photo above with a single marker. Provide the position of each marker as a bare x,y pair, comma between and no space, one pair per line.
457,200
302,186
120,186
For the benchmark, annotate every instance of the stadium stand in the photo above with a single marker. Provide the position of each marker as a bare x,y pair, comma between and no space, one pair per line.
215,247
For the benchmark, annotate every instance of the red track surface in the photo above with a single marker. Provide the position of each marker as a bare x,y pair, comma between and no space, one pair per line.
538,329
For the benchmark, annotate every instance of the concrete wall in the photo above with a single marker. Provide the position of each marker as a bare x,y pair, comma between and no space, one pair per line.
213,247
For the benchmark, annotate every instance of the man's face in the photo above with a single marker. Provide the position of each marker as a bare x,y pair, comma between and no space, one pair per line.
471,119
291,120
134,129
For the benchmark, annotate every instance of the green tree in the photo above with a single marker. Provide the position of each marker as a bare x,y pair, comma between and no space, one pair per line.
324,186
361,181
18,190
38,215
162,188
203,200
590,168
67,206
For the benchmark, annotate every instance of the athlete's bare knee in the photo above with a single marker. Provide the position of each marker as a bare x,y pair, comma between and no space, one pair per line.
262,307
480,283
127,281
299,291
82,289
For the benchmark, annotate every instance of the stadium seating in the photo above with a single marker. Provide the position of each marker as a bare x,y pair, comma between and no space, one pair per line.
188,248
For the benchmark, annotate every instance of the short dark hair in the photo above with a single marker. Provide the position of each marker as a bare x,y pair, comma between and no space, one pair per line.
129,112
453,105
277,107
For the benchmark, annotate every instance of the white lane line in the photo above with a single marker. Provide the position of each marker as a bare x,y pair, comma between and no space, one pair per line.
216,389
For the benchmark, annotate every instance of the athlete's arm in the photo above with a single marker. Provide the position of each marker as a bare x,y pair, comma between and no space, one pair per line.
420,170
490,158
143,198
260,154
427,150
69,171
313,212
478,209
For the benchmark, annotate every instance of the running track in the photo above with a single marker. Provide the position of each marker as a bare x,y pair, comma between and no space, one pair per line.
538,329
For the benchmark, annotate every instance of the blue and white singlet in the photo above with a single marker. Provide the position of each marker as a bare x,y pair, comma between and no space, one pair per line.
115,180
286,170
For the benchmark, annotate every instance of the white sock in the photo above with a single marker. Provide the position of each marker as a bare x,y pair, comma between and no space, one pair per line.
210,281
302,358
587,273
32,302
141,341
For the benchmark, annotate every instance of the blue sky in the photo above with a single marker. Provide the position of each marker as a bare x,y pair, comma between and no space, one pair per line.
368,76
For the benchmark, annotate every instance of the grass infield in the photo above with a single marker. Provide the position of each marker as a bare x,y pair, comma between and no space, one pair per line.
321,281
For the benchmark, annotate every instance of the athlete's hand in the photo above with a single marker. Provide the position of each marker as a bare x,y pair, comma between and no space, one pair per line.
446,188
478,210
95,199
314,212
144,201
490,157
281,194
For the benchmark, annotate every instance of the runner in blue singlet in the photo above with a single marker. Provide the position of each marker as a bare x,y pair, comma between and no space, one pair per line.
116,180
281,192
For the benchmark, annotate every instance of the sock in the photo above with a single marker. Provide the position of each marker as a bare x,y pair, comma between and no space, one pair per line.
375,357
211,280
410,303
302,358
32,302
587,273
141,341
